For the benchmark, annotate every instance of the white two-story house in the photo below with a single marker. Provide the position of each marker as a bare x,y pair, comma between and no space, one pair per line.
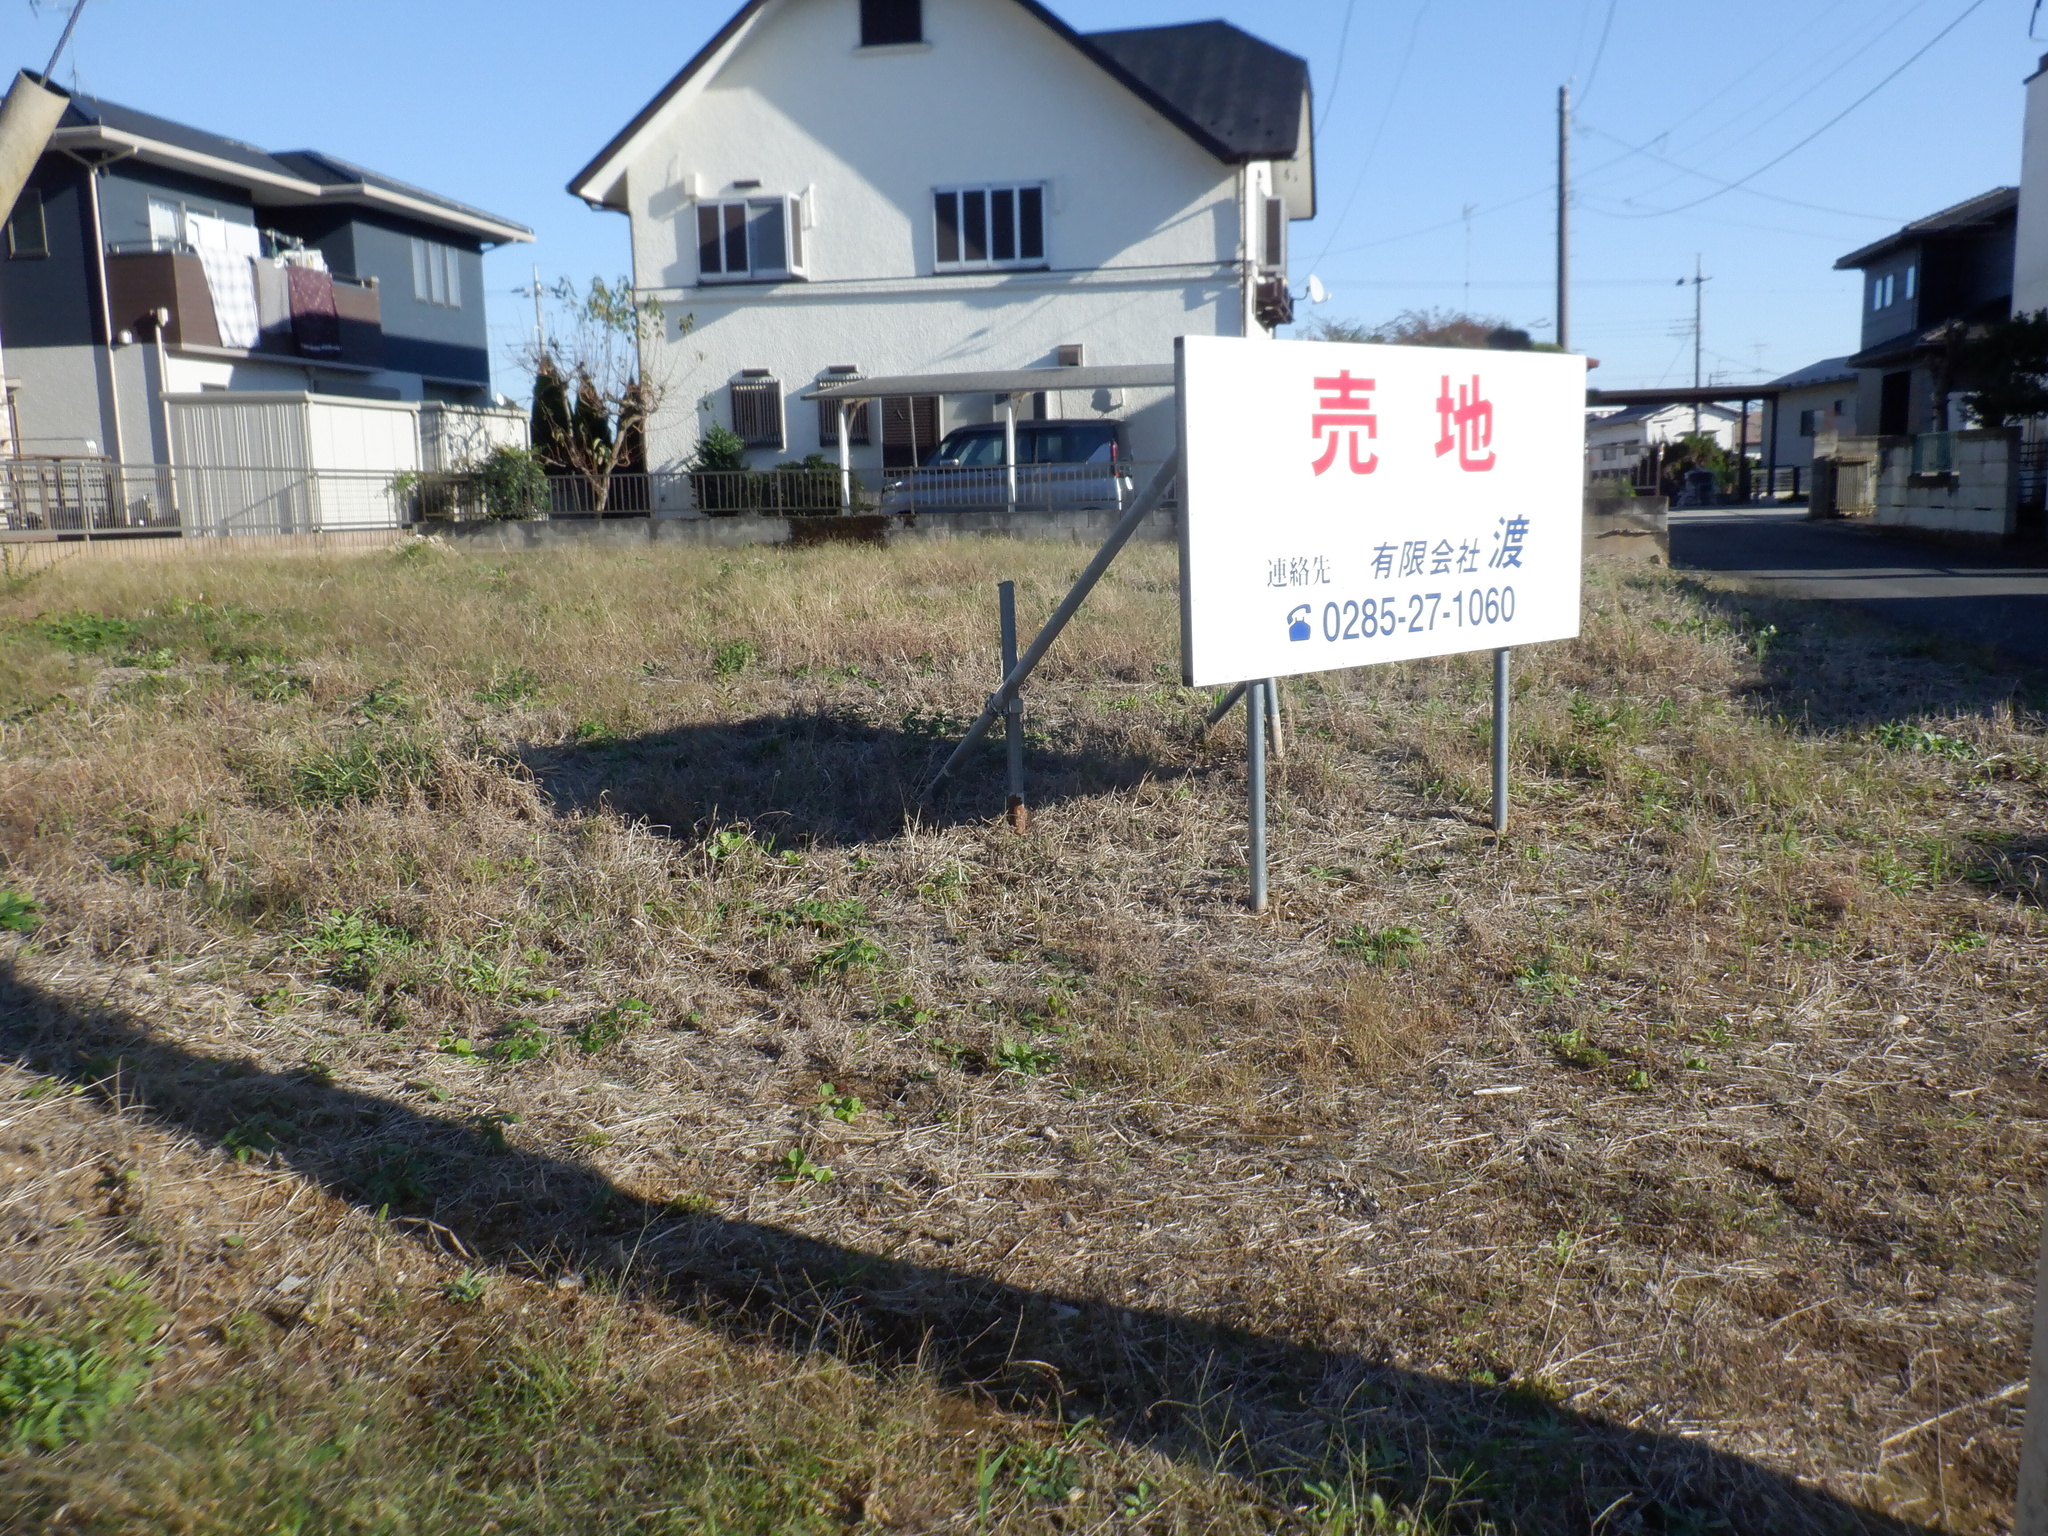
837,189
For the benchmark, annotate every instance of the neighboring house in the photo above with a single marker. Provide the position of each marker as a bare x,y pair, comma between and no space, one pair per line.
291,272
876,188
1955,265
1816,401
1618,440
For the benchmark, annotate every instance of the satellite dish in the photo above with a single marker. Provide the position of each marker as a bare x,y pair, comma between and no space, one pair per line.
1317,293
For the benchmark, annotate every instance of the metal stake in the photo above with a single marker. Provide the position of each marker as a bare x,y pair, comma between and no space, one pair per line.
1255,758
1013,711
1273,718
1142,508
1500,739
1223,707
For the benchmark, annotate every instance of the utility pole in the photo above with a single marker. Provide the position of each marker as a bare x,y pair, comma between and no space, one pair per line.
1698,283
540,329
1564,216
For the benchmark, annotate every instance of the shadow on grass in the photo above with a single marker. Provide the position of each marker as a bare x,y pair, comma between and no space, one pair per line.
822,778
1270,1410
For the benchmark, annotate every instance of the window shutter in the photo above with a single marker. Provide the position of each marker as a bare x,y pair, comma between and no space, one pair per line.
709,244
910,429
857,433
757,412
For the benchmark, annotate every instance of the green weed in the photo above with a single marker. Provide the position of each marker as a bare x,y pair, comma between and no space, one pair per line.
353,944
508,688
844,1107
156,854
1571,1047
795,1167
1381,946
17,913
467,1288
365,767
1025,1058
830,919
1903,736
396,1176
605,1030
89,633
733,658
522,1040
59,1385
848,955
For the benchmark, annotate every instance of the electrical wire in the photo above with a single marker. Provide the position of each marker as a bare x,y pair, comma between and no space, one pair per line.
1599,51
1337,73
1783,155
1649,154
1372,146
1804,89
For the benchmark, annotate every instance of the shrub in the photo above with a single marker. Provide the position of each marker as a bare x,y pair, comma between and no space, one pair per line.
514,483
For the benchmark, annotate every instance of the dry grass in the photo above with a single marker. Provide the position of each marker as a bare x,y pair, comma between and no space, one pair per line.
454,982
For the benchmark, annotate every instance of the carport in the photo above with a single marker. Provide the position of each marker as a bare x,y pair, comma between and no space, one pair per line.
1711,394
1004,383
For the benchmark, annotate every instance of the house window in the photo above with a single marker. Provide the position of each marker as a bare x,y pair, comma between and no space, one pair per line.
27,232
883,22
1912,279
436,274
858,434
752,240
1881,291
984,227
910,429
1809,422
166,225
1273,243
757,412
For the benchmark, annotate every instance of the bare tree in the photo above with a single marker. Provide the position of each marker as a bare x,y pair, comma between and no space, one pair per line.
608,352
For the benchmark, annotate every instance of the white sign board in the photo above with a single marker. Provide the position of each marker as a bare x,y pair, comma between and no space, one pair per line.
1342,505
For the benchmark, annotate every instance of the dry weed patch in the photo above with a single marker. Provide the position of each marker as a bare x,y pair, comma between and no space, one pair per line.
499,1045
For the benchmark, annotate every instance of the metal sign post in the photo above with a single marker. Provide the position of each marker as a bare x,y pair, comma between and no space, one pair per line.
1500,739
1255,703
1013,711
1432,507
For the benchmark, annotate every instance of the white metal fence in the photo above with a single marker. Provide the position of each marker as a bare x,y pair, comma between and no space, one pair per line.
42,499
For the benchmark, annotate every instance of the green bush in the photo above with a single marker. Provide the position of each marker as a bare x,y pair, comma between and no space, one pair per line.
514,482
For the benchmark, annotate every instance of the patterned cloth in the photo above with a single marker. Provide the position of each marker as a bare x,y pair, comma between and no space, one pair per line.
224,252
316,325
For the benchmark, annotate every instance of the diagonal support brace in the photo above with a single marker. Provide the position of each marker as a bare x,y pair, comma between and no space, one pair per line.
1146,504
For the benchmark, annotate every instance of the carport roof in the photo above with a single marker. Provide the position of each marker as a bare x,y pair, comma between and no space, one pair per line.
997,381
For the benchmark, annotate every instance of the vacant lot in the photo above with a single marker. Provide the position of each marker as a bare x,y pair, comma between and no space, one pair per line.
501,1047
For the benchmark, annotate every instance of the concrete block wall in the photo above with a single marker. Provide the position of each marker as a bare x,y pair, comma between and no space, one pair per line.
1977,501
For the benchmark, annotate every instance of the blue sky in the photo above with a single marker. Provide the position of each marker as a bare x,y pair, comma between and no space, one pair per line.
1436,137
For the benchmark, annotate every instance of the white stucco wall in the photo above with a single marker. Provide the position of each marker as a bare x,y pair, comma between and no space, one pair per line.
2030,240
1146,233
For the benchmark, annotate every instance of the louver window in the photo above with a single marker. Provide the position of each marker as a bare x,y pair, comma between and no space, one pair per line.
910,429
978,228
756,239
757,412
858,434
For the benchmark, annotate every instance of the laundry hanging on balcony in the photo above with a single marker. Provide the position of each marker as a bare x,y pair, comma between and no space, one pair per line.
274,304
227,253
316,324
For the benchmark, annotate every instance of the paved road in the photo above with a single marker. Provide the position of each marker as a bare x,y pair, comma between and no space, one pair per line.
1988,598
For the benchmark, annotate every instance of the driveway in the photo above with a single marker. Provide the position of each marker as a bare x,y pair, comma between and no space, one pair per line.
1988,598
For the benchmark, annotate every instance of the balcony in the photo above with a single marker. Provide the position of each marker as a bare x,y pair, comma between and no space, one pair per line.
141,282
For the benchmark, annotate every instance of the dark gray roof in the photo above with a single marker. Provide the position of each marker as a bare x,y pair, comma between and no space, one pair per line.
1190,80
299,164
1245,93
331,171
91,112
1827,371
1972,215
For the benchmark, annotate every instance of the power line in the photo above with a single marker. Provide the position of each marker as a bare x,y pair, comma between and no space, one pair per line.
1393,92
1782,156
1337,73
1599,52
1791,202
